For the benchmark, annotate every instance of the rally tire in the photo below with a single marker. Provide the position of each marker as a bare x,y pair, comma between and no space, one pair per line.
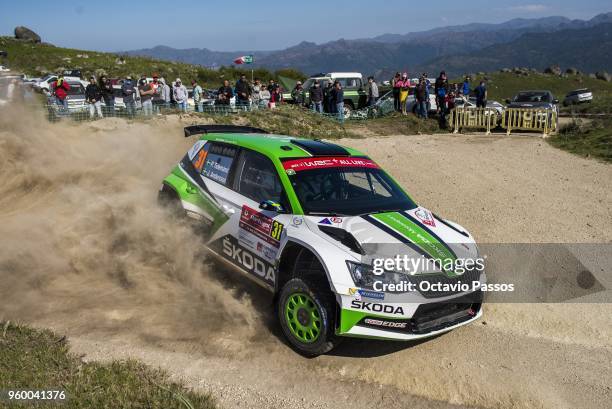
306,311
169,200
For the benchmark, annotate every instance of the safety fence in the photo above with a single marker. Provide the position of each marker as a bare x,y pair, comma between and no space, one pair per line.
528,119
510,119
85,112
473,118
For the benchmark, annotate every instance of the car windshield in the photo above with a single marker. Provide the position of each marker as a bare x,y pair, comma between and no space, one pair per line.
309,83
76,89
348,191
532,97
46,77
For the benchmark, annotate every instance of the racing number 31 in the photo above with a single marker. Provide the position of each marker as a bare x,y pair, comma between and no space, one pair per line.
277,230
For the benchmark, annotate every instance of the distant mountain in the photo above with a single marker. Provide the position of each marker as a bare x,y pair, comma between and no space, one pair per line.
412,51
588,49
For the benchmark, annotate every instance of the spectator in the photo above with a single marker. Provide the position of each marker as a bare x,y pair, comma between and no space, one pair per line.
158,99
60,91
166,95
420,95
146,95
298,94
93,95
404,88
338,100
180,95
275,97
256,92
128,91
328,105
395,83
481,95
264,96
225,94
372,91
106,87
197,96
272,85
441,89
450,100
316,97
243,92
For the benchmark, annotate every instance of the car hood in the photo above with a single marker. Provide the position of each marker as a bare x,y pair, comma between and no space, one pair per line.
416,233
530,105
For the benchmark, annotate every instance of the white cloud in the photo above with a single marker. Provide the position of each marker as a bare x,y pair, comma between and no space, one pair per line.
531,8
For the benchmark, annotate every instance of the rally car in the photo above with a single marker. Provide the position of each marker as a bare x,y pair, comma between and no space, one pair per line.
303,217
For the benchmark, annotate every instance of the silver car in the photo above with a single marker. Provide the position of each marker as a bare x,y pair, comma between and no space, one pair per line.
578,97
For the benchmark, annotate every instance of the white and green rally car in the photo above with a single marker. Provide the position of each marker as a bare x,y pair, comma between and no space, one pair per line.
299,217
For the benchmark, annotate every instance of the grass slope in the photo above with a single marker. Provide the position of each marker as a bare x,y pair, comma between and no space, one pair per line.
588,139
39,359
506,85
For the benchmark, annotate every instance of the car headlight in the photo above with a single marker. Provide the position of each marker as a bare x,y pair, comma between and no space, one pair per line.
364,277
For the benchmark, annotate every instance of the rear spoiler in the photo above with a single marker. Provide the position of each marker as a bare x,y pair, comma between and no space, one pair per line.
204,129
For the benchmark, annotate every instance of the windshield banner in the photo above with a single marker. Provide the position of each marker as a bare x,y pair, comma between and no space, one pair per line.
328,162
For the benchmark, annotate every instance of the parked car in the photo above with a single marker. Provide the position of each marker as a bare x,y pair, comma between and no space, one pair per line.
44,85
534,99
4,69
471,103
578,96
76,98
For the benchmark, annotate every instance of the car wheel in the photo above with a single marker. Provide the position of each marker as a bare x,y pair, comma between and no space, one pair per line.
348,110
306,311
168,199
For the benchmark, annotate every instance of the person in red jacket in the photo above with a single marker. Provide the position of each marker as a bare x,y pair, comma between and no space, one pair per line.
60,91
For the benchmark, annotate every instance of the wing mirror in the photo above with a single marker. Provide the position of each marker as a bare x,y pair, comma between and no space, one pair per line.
555,101
271,206
508,100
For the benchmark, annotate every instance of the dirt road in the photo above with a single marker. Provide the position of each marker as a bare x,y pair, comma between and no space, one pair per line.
84,250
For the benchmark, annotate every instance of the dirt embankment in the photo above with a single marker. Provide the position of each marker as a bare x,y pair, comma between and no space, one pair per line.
85,250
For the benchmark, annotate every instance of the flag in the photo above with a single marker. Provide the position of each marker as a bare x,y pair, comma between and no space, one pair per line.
245,59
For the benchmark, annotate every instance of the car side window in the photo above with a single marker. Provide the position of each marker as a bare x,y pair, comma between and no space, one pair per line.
215,161
257,178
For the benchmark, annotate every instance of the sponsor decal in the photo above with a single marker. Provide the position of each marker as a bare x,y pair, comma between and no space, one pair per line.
297,165
336,220
385,324
247,260
290,172
195,148
358,293
261,225
425,217
296,221
267,251
325,221
375,307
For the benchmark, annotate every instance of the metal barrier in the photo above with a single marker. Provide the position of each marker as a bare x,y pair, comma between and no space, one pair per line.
82,112
529,119
475,118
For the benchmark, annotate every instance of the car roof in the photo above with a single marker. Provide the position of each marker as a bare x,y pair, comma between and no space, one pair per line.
535,91
276,146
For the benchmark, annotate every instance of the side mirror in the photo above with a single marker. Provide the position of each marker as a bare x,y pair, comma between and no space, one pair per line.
508,100
271,206
555,101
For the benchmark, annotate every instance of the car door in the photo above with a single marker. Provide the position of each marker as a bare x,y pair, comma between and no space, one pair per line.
252,237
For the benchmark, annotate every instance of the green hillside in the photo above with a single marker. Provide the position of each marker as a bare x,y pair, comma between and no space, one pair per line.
39,59
506,85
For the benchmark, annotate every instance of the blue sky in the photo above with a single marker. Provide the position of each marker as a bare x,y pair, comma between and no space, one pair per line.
258,25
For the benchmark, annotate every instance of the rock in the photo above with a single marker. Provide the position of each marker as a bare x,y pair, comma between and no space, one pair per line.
82,56
481,73
553,69
572,71
119,61
100,72
593,76
603,75
24,33
505,70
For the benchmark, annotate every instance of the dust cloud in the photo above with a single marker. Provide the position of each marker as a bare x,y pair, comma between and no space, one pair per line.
85,247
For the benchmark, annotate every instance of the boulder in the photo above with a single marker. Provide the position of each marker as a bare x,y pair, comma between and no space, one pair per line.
592,76
505,70
603,75
553,69
24,33
572,71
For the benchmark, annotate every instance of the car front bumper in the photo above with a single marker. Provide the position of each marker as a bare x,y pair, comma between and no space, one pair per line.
407,321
